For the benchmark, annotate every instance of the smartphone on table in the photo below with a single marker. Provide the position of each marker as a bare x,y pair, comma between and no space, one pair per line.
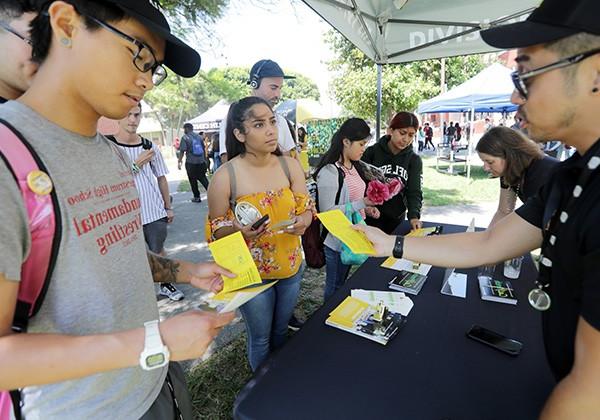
495,340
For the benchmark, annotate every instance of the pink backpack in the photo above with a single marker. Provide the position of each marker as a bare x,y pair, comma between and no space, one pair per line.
45,230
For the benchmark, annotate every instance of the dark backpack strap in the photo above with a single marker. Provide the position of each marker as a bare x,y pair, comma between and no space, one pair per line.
44,225
232,186
286,168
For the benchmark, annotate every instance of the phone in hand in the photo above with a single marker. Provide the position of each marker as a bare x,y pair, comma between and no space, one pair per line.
495,340
256,225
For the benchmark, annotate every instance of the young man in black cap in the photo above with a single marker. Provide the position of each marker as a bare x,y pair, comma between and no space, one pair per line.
266,80
557,88
16,67
96,348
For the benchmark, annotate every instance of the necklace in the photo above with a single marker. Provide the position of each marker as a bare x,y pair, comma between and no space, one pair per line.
554,222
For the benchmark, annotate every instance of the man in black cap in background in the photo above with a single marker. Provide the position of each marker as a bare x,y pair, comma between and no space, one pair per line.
266,80
96,348
557,89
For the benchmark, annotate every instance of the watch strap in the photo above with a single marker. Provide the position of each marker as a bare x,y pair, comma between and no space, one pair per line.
152,335
398,250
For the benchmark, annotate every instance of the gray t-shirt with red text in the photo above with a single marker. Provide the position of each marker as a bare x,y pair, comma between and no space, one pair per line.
101,282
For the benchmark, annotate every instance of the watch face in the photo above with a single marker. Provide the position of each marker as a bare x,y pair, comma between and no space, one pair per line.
155,360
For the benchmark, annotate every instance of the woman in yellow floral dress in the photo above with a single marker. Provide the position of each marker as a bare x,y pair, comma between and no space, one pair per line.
257,174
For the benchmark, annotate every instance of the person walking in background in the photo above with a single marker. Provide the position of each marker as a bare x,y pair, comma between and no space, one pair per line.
256,174
428,136
420,139
341,161
216,155
394,155
519,163
192,146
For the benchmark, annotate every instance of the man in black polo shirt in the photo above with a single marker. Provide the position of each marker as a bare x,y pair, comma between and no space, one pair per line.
557,89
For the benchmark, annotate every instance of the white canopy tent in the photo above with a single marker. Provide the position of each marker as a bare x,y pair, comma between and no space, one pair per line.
488,91
398,31
210,120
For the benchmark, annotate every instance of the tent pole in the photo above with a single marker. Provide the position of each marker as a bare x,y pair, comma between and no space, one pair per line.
379,94
472,118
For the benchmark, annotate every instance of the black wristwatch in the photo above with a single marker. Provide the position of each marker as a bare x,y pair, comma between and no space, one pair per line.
398,247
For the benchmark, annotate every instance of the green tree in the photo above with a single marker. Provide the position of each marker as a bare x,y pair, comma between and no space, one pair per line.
403,85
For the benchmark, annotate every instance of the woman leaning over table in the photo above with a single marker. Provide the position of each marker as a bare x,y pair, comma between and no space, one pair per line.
519,163
257,174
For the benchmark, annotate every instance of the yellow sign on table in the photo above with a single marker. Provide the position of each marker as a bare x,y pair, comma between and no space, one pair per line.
232,253
339,226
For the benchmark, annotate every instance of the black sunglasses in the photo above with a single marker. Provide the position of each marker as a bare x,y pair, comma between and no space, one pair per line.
520,78
143,62
7,28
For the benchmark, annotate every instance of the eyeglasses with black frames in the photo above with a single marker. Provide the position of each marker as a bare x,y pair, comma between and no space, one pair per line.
520,79
144,59
7,28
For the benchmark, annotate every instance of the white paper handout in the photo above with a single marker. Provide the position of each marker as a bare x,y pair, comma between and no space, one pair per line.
234,300
394,301
406,265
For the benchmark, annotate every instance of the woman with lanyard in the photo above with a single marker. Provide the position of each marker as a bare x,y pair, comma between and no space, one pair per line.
519,163
341,162
259,179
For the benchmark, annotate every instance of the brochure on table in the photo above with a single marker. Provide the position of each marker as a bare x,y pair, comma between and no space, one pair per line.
394,301
376,323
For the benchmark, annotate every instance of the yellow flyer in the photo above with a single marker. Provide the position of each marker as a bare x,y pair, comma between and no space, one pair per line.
232,253
340,227
304,160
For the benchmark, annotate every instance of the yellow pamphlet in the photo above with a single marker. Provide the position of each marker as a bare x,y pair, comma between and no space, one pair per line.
232,253
340,227
348,312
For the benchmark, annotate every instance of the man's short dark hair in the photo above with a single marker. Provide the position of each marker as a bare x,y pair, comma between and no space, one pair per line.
41,31
13,9
188,125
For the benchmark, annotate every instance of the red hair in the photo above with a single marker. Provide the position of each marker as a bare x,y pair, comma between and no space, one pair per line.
403,120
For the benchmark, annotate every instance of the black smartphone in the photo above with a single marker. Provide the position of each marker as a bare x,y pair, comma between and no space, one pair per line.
260,222
495,340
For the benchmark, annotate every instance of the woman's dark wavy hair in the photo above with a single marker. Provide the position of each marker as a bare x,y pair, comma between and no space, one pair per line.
41,31
353,129
14,9
513,146
239,112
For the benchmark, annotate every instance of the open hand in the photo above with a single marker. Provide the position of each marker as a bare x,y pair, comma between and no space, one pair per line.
299,226
144,157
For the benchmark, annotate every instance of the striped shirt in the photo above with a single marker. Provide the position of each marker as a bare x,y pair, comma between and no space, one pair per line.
356,185
146,182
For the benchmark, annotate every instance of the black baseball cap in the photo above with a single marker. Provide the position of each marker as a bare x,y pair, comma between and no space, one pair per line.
552,20
267,68
179,57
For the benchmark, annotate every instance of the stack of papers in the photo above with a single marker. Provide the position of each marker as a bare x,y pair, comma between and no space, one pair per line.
394,301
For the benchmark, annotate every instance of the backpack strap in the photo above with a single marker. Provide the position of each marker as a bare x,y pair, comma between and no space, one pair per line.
232,186
44,225
285,167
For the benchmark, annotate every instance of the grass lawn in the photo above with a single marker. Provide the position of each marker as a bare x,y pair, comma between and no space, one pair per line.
215,383
441,189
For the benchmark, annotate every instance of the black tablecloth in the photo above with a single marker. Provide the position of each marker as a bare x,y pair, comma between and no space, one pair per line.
430,370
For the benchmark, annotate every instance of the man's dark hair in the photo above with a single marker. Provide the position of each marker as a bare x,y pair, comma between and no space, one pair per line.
41,31
188,125
13,9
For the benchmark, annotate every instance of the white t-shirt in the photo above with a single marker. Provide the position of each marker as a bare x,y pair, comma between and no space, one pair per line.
285,140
